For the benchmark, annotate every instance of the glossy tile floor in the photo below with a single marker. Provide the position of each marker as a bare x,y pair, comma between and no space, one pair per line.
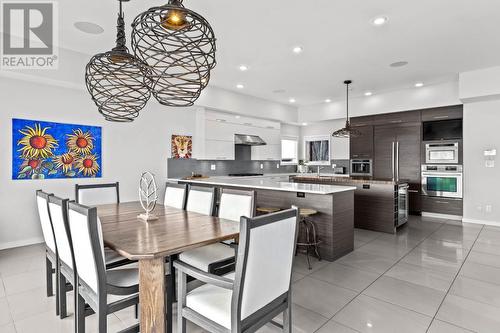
433,276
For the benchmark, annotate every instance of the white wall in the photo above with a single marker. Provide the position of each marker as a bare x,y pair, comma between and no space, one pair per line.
127,149
480,92
481,132
401,100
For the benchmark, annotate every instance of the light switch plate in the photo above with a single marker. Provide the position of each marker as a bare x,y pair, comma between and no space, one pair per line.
262,166
213,167
277,165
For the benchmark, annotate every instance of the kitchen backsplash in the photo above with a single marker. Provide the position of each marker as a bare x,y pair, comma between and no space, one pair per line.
178,168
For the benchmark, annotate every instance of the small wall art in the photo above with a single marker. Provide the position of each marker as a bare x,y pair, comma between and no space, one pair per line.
47,150
182,146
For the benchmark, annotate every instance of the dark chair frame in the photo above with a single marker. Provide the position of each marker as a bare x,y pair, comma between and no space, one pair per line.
282,304
79,187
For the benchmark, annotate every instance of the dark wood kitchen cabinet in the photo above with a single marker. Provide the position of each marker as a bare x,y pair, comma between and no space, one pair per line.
443,113
361,147
403,141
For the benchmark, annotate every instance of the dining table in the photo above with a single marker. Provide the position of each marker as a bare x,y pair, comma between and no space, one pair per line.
152,244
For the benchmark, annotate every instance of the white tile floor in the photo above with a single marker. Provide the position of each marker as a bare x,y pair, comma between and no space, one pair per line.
434,276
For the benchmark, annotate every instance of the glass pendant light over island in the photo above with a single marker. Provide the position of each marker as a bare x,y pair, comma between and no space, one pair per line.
178,45
118,81
347,131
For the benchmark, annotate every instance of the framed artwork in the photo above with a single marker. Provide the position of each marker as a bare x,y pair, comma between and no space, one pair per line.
182,146
46,150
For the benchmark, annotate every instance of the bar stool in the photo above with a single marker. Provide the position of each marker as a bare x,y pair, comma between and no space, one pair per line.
267,210
307,233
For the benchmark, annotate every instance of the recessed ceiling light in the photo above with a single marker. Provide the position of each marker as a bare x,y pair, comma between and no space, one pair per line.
89,28
369,325
379,21
298,49
419,84
243,68
399,64
240,86
328,100
237,117
368,93
292,100
304,124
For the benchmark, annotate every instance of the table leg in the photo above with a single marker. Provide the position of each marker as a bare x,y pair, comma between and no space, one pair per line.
152,295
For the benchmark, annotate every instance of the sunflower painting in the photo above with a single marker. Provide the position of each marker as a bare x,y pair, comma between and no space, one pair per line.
45,150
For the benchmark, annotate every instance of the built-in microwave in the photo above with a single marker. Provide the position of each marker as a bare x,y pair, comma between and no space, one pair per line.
361,168
441,153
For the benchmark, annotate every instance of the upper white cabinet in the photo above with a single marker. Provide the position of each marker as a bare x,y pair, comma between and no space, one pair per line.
215,132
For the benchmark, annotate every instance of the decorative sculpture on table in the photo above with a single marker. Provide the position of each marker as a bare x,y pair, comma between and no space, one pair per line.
148,195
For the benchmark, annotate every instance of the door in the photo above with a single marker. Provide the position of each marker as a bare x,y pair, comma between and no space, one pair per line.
384,137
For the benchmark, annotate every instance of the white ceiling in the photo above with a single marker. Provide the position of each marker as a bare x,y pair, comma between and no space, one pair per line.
439,39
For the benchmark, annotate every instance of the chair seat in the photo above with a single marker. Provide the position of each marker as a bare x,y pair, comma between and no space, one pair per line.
202,257
212,302
126,276
112,256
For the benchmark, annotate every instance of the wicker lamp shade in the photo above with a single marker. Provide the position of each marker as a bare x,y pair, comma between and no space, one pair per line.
178,45
117,81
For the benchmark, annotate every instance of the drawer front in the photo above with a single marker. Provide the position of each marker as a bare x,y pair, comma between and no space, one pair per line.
442,205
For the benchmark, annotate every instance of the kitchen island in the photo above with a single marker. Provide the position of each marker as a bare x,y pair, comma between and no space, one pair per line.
379,204
334,221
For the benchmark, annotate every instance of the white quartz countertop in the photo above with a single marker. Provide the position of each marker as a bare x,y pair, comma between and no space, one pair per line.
265,183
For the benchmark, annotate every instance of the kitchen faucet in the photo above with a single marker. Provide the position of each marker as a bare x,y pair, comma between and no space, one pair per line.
319,171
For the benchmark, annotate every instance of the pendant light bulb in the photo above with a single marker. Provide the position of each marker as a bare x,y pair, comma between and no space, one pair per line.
175,19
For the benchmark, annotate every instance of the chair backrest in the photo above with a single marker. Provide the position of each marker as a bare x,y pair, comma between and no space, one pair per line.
42,201
97,194
59,216
86,234
236,203
175,195
201,200
264,263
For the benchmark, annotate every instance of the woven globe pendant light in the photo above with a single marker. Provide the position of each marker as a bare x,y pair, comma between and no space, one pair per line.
178,45
348,131
118,81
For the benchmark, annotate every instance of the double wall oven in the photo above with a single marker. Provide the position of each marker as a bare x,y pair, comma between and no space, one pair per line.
442,180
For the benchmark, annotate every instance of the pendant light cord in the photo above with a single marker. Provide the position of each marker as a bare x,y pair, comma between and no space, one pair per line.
347,100
120,35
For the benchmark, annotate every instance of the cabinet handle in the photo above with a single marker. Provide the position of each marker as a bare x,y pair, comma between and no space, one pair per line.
442,202
396,121
221,120
413,191
441,117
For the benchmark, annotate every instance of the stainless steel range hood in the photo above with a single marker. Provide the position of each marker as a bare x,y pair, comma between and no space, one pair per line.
248,140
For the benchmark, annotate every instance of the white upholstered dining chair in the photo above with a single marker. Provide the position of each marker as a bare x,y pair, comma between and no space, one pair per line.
42,201
258,291
175,195
219,258
105,291
97,194
201,200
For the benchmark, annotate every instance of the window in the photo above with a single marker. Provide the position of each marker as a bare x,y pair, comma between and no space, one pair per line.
289,150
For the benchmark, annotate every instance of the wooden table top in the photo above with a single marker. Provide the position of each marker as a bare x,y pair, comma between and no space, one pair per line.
175,230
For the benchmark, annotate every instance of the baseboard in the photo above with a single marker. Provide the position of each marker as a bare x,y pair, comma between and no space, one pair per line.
475,221
442,216
19,243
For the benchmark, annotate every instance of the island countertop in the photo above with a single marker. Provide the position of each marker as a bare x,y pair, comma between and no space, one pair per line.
268,184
